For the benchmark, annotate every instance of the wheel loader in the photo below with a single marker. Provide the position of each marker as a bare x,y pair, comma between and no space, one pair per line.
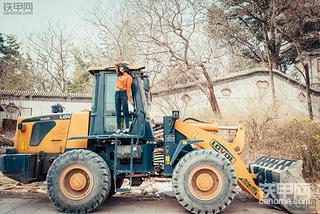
84,162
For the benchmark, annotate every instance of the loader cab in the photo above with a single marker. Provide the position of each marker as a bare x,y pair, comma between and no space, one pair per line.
103,113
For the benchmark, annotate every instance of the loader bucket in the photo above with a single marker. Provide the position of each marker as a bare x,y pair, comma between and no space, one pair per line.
283,184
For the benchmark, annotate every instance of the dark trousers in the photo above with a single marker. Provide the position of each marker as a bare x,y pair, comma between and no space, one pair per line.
121,100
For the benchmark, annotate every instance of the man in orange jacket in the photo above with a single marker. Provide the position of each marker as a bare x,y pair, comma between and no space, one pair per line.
122,95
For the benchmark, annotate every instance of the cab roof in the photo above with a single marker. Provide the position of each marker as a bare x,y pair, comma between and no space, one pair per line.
94,70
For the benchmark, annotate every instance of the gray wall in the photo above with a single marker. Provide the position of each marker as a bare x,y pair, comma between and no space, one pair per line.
238,96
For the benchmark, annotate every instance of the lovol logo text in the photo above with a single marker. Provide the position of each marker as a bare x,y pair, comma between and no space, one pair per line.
221,149
65,116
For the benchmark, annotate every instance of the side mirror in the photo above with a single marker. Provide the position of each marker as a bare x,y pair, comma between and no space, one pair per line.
146,84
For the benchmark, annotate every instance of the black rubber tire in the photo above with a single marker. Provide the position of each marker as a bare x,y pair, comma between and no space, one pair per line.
120,180
180,181
101,181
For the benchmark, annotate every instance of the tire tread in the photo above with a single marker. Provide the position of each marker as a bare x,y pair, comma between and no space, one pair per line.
178,185
85,157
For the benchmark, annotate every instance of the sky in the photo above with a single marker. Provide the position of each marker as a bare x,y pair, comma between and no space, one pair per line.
72,13
69,12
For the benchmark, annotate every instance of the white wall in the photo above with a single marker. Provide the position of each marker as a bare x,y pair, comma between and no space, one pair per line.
245,98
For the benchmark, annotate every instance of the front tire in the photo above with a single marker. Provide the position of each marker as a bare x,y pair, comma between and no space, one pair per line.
204,181
78,181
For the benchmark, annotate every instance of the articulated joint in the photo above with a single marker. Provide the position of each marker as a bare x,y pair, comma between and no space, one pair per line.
180,146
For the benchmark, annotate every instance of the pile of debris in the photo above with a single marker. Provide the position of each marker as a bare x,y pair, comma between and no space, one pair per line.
9,187
6,139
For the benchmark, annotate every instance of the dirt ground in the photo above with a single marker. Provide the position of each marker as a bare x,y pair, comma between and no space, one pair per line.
121,204
153,196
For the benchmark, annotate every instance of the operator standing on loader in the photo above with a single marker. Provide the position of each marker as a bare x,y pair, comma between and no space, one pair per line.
122,95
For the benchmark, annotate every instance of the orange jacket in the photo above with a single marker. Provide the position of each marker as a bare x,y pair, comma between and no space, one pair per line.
124,84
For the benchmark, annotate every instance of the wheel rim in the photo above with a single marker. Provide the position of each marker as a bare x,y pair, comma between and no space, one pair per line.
76,182
205,182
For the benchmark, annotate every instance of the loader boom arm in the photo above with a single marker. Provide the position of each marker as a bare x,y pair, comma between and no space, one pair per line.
212,141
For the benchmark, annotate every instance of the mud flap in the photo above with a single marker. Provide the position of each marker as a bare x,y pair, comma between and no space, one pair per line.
283,184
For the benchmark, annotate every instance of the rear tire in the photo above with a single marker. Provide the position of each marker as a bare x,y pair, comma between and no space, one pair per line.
204,181
78,181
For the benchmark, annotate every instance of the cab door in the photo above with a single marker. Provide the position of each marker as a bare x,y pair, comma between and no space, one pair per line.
109,102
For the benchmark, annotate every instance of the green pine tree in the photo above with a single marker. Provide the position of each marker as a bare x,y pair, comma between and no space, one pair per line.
81,80
15,74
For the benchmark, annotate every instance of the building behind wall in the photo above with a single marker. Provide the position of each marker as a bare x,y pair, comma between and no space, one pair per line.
313,61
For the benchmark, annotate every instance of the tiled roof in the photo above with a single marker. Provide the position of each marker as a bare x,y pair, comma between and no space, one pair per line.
41,94
159,91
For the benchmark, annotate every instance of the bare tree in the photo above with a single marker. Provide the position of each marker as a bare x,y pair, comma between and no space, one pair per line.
50,56
175,35
300,26
249,26
81,81
167,104
113,25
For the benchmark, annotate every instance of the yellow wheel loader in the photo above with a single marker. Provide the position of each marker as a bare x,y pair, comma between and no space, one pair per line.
84,162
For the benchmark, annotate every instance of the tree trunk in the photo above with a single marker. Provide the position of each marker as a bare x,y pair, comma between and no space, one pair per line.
309,101
273,91
211,97
271,62
213,102
274,60
271,54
